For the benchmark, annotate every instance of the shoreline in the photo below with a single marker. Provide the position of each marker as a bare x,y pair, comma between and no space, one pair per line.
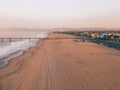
18,61
55,63
18,56
7,59
38,43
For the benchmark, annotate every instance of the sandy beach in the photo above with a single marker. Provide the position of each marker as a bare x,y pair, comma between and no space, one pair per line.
63,64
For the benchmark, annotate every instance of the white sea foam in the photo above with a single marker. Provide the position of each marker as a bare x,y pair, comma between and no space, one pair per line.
10,50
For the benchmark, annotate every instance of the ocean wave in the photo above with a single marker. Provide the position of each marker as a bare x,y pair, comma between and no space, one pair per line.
11,50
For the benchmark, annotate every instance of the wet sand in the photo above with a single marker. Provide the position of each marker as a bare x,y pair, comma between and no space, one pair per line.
63,64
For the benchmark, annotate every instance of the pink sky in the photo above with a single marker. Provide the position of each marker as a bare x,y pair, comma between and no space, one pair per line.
59,13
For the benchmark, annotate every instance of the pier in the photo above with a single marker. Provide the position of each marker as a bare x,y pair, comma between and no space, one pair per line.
18,39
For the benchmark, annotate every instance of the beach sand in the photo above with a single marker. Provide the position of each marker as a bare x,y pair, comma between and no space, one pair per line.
63,64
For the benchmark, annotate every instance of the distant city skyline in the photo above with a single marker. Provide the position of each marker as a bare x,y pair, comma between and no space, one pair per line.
59,13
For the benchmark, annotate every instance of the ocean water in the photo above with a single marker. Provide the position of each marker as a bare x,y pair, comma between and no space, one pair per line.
10,50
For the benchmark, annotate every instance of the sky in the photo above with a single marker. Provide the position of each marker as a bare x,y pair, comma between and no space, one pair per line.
59,13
